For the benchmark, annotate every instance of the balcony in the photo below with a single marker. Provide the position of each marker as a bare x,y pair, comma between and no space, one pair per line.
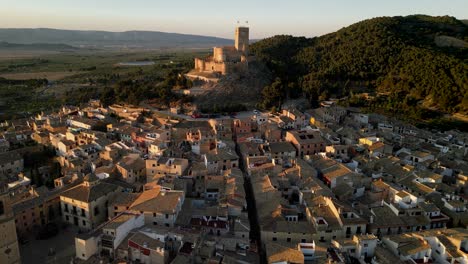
107,241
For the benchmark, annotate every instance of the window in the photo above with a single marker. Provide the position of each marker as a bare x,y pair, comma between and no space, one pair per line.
84,223
2,208
365,245
358,230
274,239
288,239
96,210
167,216
303,240
155,223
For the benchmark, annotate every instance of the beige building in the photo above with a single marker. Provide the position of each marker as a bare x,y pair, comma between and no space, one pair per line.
159,207
11,163
165,167
132,168
220,160
201,140
36,208
307,142
9,250
85,205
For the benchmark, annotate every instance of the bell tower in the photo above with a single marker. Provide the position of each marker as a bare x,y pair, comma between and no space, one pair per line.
241,39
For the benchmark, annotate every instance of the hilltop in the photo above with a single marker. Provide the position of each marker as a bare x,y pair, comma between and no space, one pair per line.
106,39
413,63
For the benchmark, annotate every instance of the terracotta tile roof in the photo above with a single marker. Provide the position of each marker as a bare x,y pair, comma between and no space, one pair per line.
158,201
277,253
89,193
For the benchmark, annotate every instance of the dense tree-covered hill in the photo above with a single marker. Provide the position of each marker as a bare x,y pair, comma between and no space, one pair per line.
412,62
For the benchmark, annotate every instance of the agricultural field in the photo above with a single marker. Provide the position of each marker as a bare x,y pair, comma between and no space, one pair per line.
51,76
75,77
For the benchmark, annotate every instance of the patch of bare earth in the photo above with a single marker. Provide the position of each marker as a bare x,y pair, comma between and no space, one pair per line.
447,41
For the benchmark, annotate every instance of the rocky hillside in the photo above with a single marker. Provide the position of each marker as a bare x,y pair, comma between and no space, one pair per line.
236,89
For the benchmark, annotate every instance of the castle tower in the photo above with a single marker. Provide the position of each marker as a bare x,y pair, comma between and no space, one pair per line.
9,250
241,39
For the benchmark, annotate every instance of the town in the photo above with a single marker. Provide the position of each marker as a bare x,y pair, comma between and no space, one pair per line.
324,135
324,185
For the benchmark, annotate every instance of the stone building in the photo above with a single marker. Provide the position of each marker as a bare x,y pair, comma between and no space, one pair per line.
85,205
9,250
224,60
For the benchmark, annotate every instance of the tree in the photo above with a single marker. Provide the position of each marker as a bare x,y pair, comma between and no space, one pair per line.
272,94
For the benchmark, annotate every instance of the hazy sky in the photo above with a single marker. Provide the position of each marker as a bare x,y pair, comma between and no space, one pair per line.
215,18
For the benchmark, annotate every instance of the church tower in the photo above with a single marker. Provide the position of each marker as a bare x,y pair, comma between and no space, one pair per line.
241,39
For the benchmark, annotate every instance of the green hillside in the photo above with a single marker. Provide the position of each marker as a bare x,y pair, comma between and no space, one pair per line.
395,58
36,46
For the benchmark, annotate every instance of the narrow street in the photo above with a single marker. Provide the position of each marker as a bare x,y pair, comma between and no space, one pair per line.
255,234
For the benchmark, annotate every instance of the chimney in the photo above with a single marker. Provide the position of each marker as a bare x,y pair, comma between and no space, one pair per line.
371,219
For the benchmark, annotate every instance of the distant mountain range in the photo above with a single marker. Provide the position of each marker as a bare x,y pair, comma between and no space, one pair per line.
106,39
36,46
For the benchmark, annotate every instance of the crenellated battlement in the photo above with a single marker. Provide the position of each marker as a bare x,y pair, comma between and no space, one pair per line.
227,59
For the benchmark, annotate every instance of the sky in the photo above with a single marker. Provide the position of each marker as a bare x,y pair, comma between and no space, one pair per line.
215,18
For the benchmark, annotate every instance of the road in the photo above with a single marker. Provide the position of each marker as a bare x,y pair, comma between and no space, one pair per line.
36,251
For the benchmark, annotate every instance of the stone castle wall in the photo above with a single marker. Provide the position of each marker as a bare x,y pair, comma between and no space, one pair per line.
229,59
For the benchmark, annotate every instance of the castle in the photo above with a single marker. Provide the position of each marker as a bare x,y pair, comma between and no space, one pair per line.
225,59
